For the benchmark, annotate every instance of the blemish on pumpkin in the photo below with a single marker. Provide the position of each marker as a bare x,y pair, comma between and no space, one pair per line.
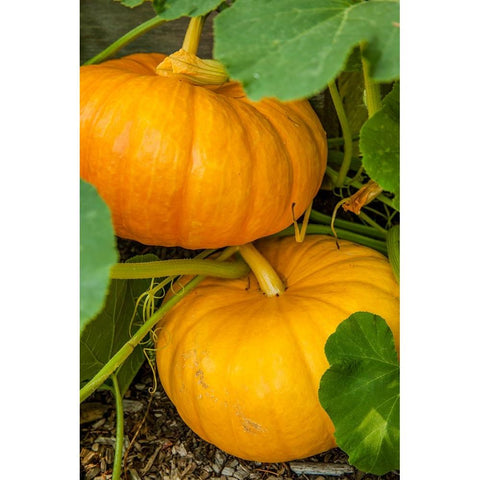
199,374
251,427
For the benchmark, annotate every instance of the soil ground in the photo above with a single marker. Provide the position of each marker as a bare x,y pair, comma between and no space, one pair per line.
159,446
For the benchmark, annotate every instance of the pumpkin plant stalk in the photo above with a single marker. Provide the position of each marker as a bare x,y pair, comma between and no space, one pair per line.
267,277
184,64
117,462
313,229
125,40
347,135
192,36
372,89
166,268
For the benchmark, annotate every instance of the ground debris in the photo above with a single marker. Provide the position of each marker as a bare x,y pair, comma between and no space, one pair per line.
166,449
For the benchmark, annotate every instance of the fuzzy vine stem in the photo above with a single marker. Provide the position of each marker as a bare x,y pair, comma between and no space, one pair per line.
372,222
335,141
347,135
117,360
167,268
393,249
125,40
267,277
117,461
372,89
313,229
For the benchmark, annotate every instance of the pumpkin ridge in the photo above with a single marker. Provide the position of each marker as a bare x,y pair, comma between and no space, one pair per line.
146,61
248,201
288,161
286,270
180,226
326,269
278,116
286,265
309,298
246,204
299,348
154,172
174,359
354,282
307,118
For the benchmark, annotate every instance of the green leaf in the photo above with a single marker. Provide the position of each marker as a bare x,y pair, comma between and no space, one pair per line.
361,392
294,49
172,9
380,145
97,252
113,327
132,3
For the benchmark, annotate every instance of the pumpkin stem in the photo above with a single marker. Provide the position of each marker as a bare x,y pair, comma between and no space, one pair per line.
184,64
267,277
300,234
192,35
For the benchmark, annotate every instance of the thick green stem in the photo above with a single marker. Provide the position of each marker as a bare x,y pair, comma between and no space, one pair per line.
393,249
125,40
267,277
166,268
117,360
117,462
346,225
372,222
372,89
312,229
334,141
347,135
192,36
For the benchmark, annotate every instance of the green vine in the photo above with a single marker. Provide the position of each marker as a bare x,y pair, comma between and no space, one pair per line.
125,40
167,268
393,249
372,89
347,225
117,462
347,136
117,360
312,229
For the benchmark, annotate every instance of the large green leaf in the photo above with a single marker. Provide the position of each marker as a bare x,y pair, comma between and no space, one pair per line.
113,327
361,392
380,145
172,9
294,49
97,252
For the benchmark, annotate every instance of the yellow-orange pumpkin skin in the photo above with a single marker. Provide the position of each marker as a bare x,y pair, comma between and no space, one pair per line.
243,370
194,166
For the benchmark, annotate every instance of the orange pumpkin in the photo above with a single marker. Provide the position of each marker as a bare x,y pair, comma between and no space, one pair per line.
243,370
194,166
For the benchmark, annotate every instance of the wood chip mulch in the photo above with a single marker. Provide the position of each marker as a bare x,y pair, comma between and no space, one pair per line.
159,446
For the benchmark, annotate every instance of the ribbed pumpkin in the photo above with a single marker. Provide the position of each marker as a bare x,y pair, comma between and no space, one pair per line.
194,166
243,370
